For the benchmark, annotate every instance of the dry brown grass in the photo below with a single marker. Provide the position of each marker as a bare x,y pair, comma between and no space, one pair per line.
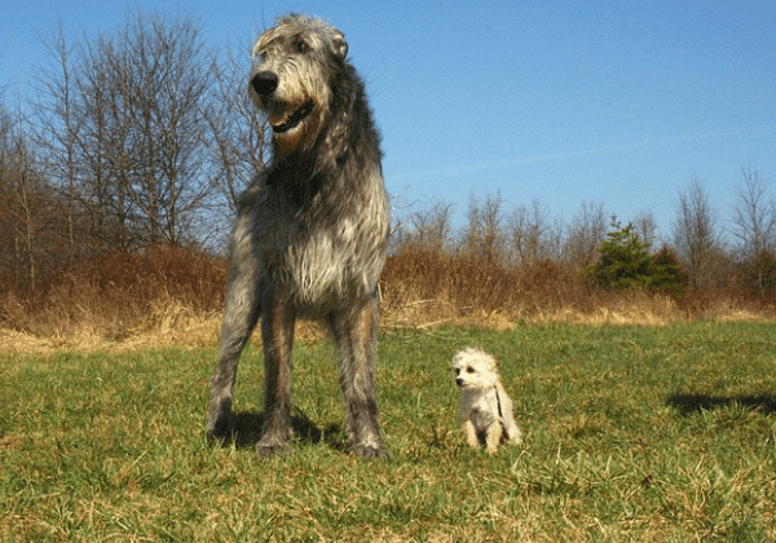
163,295
171,296
423,287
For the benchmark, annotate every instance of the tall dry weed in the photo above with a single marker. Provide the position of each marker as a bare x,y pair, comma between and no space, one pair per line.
167,295
117,293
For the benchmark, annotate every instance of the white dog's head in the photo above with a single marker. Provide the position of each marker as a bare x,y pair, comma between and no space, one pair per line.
474,369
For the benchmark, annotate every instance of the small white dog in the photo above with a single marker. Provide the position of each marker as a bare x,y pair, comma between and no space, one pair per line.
486,410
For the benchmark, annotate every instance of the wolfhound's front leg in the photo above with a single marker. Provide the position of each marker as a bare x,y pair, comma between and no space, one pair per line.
355,331
241,312
277,328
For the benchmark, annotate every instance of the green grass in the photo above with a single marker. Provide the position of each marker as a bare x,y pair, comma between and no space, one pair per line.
631,434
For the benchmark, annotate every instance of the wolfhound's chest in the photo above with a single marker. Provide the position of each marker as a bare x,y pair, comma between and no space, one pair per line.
323,266
316,266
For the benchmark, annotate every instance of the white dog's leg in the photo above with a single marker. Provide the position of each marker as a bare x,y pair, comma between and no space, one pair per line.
493,437
513,432
470,433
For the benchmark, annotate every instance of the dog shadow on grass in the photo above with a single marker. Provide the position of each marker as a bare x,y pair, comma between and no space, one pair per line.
247,426
688,404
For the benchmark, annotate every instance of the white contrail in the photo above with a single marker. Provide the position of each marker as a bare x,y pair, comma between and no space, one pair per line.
568,155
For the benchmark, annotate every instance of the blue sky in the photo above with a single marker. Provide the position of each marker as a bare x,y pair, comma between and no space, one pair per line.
562,102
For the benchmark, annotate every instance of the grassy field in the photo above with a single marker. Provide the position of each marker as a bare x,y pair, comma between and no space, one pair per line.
631,434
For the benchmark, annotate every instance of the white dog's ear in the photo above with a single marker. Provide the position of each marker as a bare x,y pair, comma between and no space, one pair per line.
457,357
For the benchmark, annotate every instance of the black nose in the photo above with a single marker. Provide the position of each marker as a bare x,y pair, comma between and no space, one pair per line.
264,83
459,382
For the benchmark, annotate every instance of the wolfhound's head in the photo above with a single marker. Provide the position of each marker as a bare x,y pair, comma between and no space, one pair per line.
296,64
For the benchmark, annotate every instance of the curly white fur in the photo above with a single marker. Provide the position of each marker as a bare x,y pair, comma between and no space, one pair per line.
486,409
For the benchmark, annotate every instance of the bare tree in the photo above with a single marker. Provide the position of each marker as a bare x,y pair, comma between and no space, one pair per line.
646,227
754,228
163,77
6,133
128,125
695,236
754,215
236,137
484,235
587,230
56,137
529,233
106,153
431,228
23,209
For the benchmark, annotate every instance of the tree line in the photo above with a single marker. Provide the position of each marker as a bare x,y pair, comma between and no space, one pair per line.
144,136
739,256
136,137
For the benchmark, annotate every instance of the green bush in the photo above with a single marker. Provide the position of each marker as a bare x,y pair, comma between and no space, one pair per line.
667,276
625,263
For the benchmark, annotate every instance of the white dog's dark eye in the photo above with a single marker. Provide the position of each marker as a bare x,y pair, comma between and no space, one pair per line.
470,369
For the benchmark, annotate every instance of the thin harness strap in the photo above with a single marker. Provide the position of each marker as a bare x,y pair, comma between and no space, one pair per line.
498,402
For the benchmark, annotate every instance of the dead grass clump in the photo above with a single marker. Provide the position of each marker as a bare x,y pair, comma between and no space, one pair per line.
117,294
173,296
632,307
422,286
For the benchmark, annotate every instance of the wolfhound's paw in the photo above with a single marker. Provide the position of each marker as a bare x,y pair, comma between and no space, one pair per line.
219,432
214,439
273,448
371,452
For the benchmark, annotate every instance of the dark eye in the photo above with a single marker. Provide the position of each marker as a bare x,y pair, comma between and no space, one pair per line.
470,369
301,46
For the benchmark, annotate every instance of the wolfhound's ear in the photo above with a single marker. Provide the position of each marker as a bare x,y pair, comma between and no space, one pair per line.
339,45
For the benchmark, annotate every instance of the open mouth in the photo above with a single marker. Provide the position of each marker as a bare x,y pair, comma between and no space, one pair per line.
292,120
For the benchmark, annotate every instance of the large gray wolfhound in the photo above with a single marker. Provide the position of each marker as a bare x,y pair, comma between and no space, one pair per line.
310,236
